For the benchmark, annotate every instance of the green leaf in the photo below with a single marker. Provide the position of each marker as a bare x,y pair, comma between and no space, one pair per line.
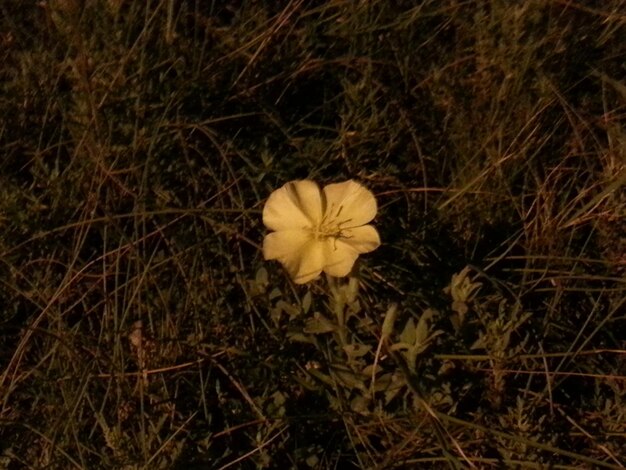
423,327
288,308
389,321
275,293
299,337
359,404
306,302
367,370
348,378
325,379
319,324
261,277
408,334
357,350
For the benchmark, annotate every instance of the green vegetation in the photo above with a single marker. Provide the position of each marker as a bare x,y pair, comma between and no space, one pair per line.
140,327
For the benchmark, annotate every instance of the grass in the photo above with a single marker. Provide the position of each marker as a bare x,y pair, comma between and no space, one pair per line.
140,326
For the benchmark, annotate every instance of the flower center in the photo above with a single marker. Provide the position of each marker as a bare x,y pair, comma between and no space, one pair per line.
330,226
326,230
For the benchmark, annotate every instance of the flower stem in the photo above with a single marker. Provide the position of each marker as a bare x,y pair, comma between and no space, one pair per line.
338,304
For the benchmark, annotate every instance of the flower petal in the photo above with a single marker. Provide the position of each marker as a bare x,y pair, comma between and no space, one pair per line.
350,203
363,239
285,244
295,205
309,263
340,258
302,256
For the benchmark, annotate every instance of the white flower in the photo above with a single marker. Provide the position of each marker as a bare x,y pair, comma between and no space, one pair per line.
317,231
